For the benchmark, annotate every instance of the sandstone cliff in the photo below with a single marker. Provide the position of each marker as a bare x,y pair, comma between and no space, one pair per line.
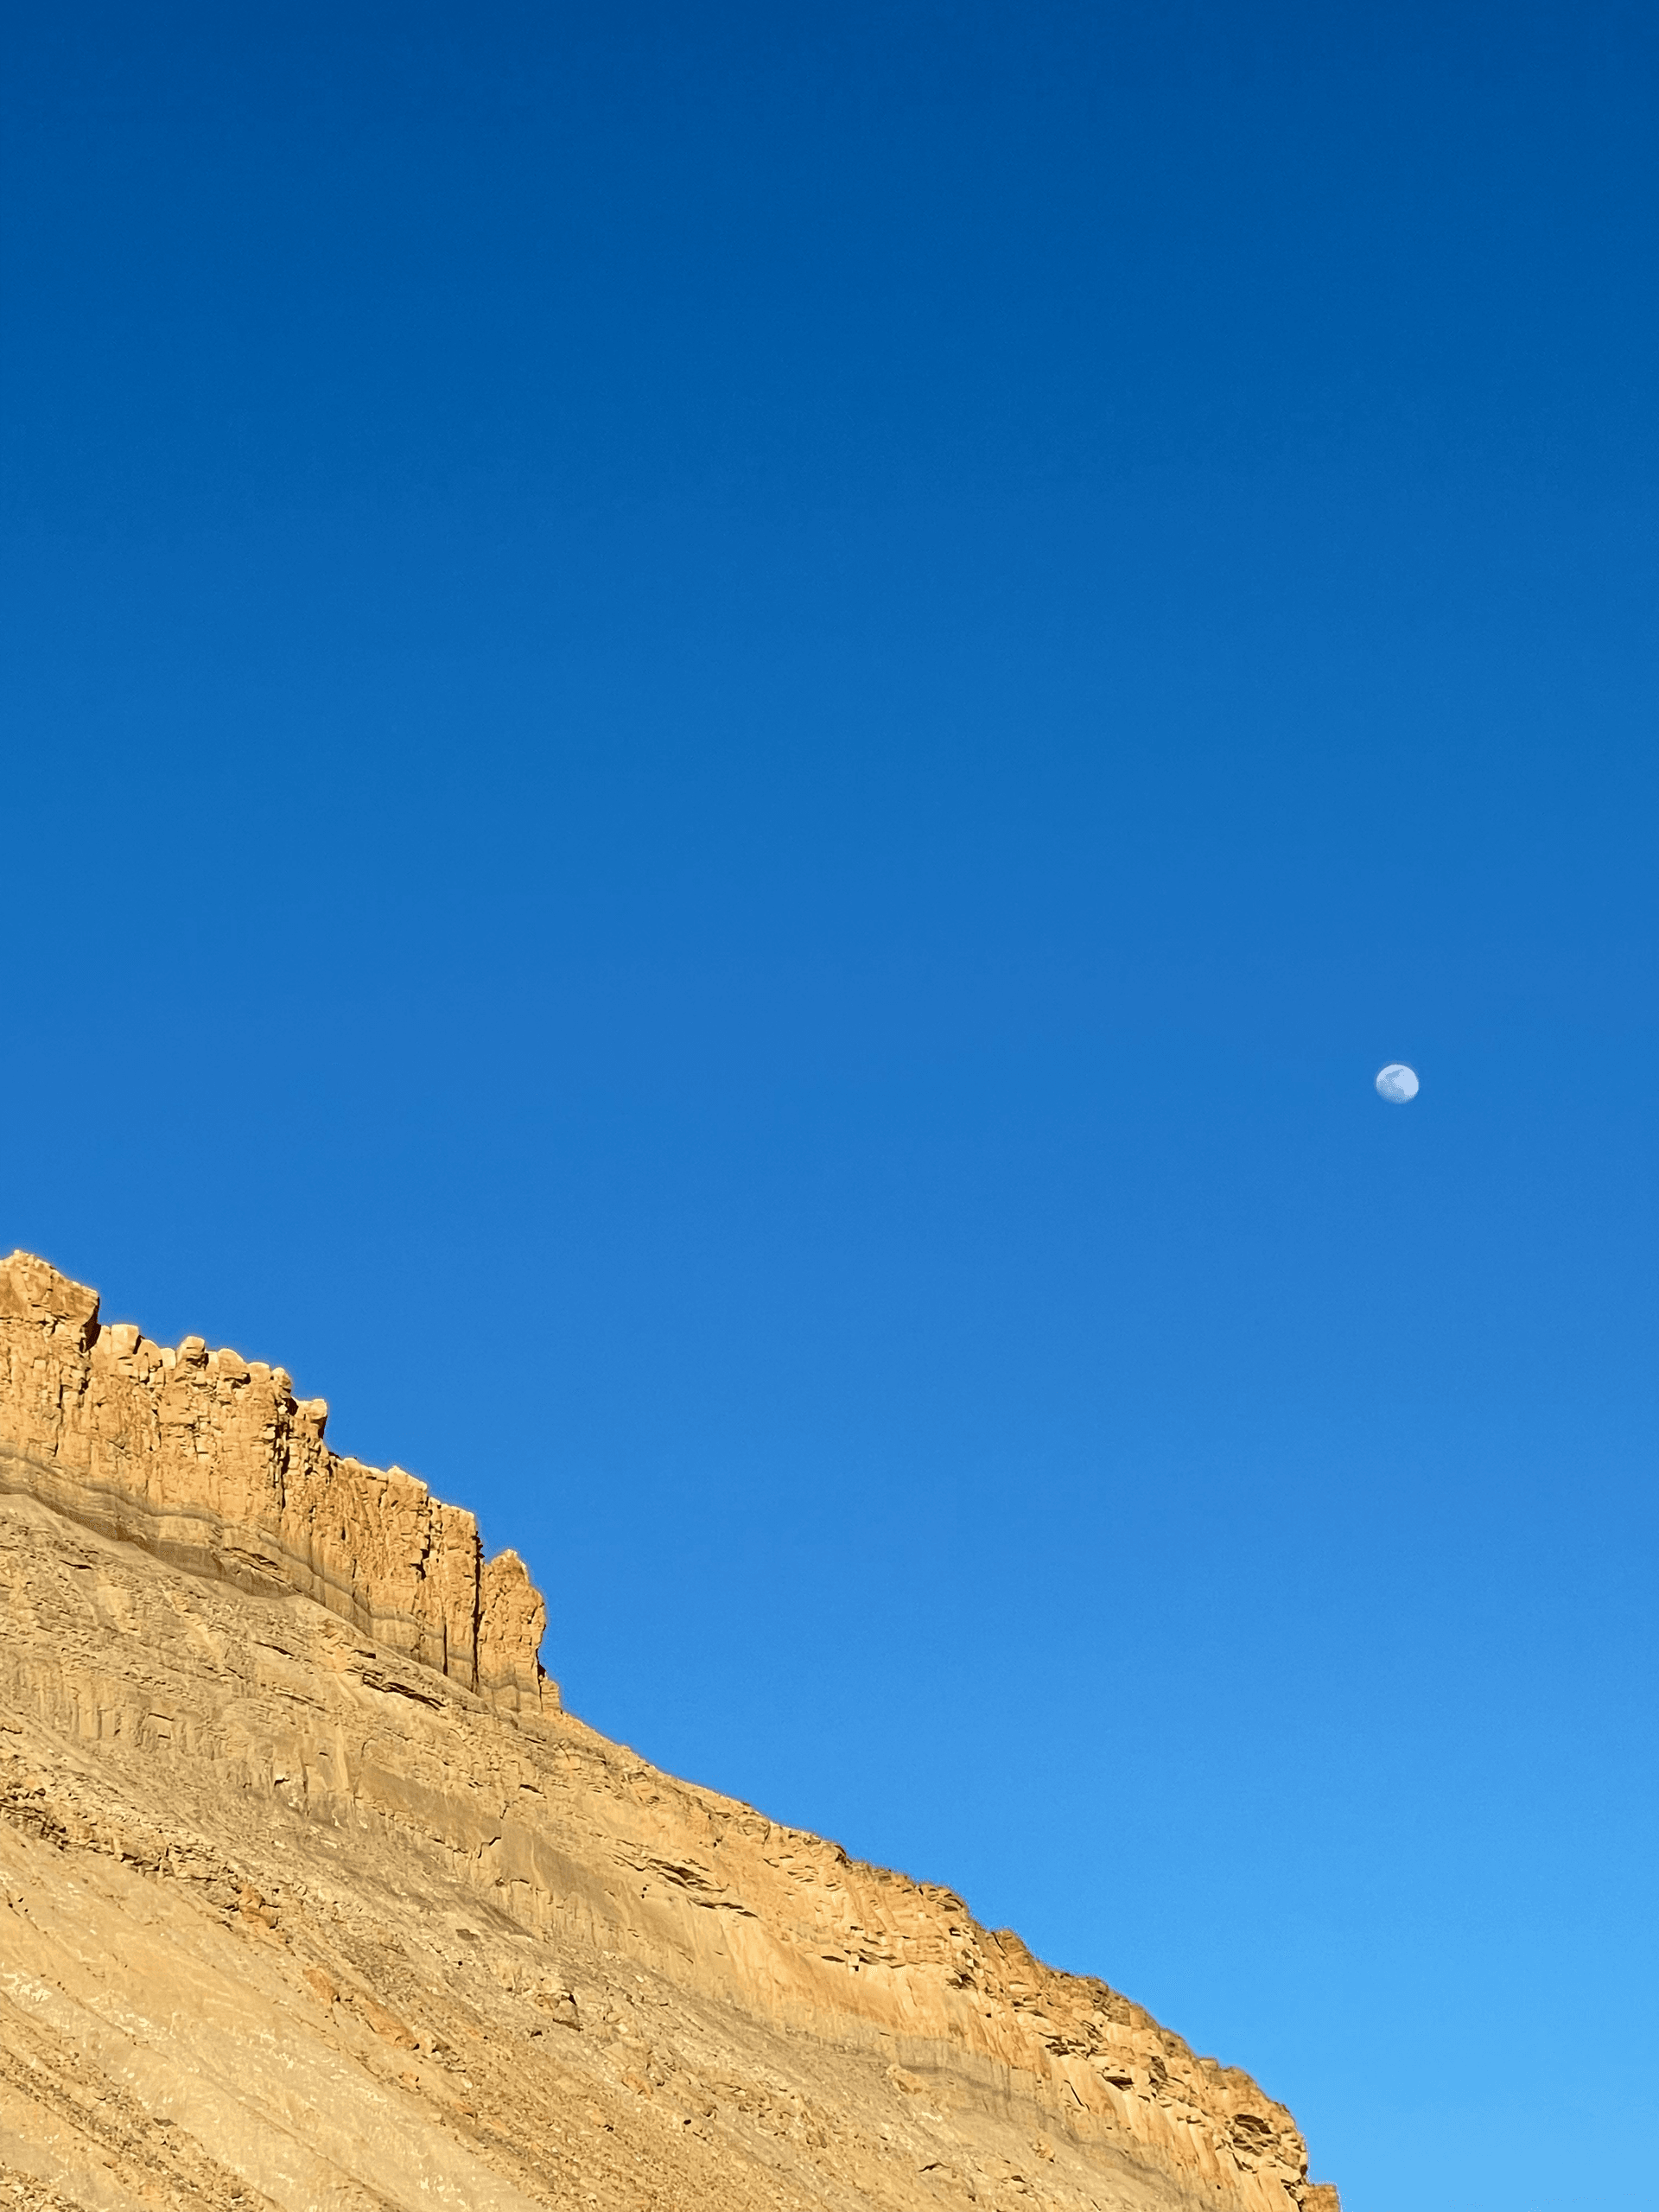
310,1895
210,1461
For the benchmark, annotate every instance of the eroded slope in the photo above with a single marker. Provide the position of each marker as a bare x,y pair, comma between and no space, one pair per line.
295,1917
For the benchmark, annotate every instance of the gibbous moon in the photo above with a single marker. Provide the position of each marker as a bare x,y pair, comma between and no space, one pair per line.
1397,1084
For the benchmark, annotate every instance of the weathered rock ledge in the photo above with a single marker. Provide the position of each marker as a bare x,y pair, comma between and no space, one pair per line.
209,1461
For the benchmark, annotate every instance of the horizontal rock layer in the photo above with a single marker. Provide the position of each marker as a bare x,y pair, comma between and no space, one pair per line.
211,1462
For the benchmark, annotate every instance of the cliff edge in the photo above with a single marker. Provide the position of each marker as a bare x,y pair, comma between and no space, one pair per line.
209,1461
312,1898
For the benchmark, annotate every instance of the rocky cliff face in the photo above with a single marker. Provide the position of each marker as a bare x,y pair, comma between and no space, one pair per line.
310,1896
211,1462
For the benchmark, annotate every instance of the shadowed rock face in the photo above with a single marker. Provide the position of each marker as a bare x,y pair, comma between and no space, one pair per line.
311,1896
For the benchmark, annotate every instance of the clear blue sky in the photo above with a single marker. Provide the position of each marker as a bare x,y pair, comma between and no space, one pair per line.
732,735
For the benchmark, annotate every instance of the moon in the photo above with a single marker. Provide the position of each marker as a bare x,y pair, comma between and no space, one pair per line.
1397,1084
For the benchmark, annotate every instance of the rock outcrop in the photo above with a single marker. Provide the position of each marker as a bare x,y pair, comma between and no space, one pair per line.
312,1897
210,1461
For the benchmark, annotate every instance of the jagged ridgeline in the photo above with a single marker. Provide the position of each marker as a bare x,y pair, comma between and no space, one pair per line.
210,1462
312,1896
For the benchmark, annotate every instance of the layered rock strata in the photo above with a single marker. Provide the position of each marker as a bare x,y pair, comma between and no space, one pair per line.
210,1461
298,1911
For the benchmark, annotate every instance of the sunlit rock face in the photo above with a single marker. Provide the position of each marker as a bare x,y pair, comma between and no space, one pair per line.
209,1461
311,1896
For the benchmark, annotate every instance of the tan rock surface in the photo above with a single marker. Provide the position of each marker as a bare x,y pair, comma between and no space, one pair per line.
311,1896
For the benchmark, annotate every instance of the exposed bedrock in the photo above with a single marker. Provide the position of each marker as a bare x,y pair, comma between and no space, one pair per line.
209,1461
284,1795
